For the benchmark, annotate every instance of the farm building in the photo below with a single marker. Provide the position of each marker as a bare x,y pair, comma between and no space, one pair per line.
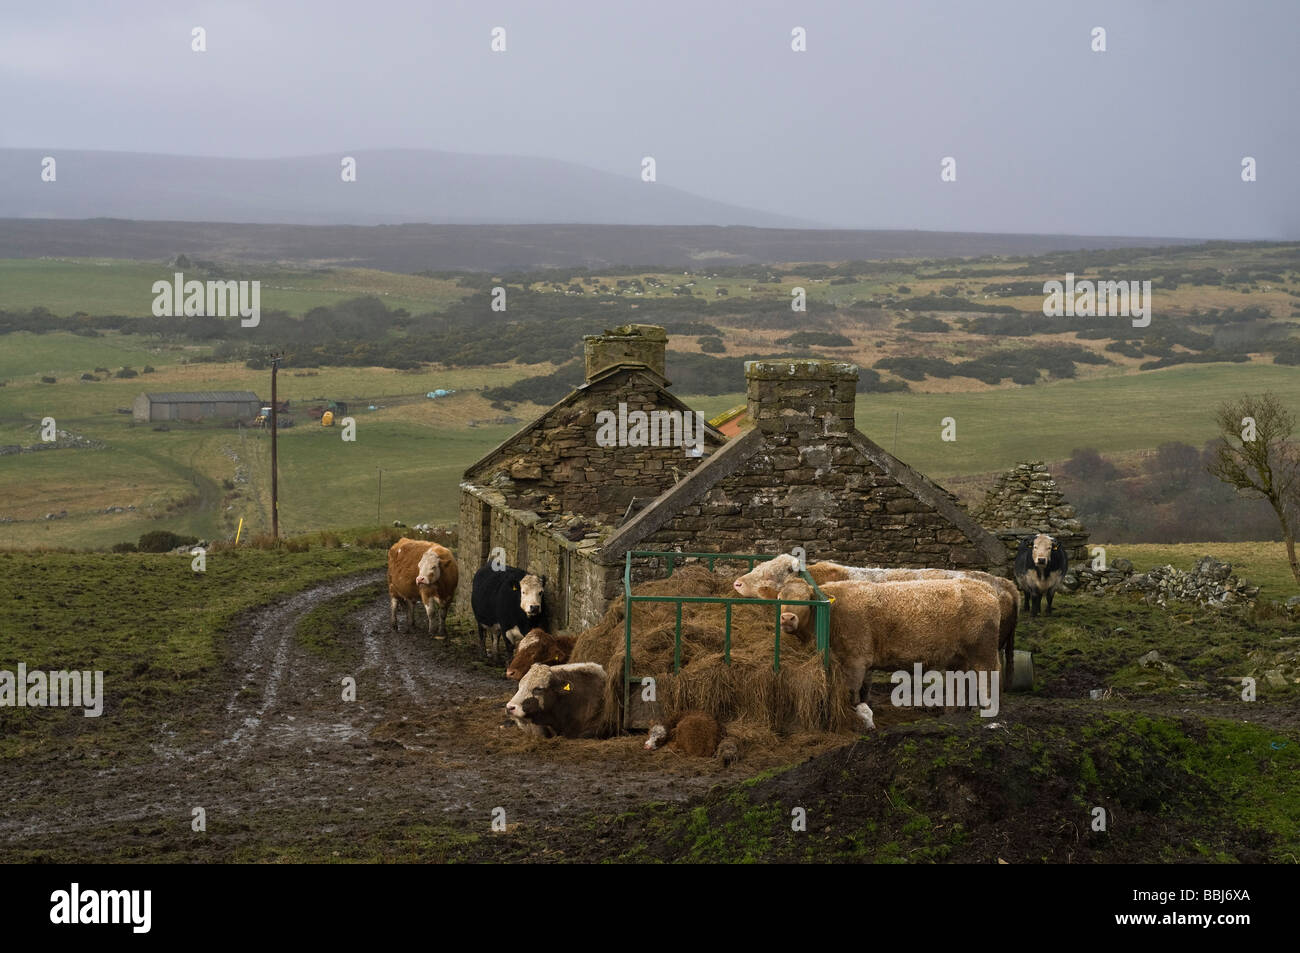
224,404
562,506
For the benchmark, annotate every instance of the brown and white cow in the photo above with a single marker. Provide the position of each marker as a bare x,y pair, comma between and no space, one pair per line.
567,701
418,569
539,646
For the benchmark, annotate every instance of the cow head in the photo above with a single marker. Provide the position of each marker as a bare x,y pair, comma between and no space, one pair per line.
429,569
530,594
763,581
658,735
794,618
1043,549
537,646
537,692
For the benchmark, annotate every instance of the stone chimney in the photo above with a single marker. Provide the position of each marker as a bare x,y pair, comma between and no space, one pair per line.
811,397
642,343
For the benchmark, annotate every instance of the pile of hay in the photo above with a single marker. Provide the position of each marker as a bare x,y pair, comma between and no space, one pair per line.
798,698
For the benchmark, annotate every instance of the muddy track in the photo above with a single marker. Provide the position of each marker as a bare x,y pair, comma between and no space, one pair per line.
424,738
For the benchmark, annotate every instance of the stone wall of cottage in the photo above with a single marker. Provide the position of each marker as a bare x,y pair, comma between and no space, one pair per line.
578,588
808,485
1026,499
558,467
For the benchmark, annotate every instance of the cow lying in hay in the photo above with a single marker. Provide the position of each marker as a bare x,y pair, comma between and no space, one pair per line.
560,700
539,646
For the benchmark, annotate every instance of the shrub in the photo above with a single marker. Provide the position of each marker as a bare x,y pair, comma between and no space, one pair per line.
379,539
124,548
712,345
48,380
544,389
127,372
815,339
163,541
870,382
925,322
1086,464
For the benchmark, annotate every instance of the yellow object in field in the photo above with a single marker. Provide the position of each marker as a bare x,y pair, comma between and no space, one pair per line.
327,419
240,530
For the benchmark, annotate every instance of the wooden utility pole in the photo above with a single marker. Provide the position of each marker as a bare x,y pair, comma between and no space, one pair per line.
275,484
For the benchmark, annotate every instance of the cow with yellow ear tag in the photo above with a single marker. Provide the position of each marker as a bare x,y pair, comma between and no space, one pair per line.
564,701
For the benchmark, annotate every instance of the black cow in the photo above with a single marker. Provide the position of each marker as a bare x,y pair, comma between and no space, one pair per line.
1041,564
510,598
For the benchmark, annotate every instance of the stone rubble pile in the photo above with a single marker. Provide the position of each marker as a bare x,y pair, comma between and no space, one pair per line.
1211,583
66,440
1026,500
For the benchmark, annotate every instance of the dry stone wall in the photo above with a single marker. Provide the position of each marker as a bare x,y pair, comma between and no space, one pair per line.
1025,500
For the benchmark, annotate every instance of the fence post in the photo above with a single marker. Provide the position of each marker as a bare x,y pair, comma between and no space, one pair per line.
776,651
677,643
726,645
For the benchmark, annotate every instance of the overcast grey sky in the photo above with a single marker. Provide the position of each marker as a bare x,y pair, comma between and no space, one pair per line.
1049,136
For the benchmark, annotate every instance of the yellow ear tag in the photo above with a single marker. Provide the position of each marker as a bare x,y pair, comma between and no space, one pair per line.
830,598
566,687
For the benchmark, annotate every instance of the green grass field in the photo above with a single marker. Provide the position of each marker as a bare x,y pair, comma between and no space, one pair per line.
997,428
423,446
111,286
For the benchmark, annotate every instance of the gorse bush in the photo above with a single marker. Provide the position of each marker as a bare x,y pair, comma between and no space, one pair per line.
163,541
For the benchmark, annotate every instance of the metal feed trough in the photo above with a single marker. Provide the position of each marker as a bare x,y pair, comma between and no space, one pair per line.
820,607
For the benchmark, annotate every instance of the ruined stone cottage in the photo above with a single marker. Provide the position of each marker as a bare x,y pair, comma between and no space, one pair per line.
1027,500
560,504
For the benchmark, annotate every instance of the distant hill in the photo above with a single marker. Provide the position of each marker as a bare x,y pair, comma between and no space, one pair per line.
412,248
392,187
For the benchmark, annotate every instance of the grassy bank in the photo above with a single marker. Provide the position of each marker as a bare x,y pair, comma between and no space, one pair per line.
149,622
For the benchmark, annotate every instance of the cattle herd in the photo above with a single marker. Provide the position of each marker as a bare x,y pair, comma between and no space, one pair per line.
880,618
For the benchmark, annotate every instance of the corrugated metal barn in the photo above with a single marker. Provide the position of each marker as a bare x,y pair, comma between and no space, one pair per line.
196,405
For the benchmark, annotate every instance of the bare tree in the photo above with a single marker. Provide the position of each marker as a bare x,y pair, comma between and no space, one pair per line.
1256,455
